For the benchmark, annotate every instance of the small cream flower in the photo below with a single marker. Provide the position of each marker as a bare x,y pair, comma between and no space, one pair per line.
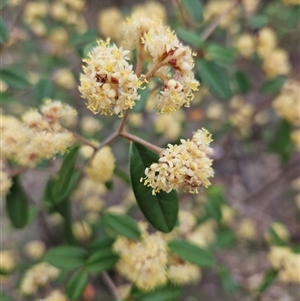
186,166
246,45
108,82
35,249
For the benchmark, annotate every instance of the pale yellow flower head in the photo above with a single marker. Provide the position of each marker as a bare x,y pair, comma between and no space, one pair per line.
291,2
281,231
247,229
102,166
111,23
143,262
5,183
90,125
8,260
82,231
246,45
64,78
186,166
266,41
295,137
250,6
35,249
151,9
108,82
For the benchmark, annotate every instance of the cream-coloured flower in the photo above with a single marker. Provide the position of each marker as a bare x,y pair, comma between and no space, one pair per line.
82,231
295,137
35,249
5,183
55,295
291,2
90,125
102,166
246,45
64,78
250,6
280,230
186,166
7,260
276,63
247,229
108,82
151,9
266,41
143,262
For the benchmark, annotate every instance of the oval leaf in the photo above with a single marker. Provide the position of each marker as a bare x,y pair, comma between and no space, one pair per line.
123,225
44,88
66,176
14,77
17,205
220,54
77,284
241,82
4,36
66,257
194,8
268,279
161,209
189,37
191,253
215,78
272,86
101,260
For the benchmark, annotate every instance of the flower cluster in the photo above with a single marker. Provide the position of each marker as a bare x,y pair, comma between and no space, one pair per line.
170,60
55,295
286,104
286,262
38,275
186,166
108,82
38,136
149,264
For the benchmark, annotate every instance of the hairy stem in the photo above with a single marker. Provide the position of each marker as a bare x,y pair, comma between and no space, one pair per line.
134,138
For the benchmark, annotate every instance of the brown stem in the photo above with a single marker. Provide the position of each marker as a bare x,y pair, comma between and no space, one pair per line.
83,140
139,64
14,22
141,141
214,24
17,171
111,285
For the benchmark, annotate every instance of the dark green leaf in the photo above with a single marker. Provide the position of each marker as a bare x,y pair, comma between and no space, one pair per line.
66,257
4,35
269,277
166,293
215,78
123,225
258,21
272,86
220,54
17,205
213,209
14,77
229,284
241,82
189,37
5,97
44,88
65,179
275,238
191,253
161,209
224,239
281,143
194,9
140,105
102,260
77,284
102,243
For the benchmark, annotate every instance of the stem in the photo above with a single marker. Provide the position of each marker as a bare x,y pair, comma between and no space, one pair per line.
214,24
17,171
83,140
14,22
111,285
134,138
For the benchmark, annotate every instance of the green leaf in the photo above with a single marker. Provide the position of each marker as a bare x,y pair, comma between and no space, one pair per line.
225,239
194,8
123,225
258,21
102,243
191,253
213,209
4,297
229,284
66,257
102,260
220,54
241,82
275,238
77,284
43,89
17,206
66,178
272,86
161,209
4,35
215,78
14,77
166,293
140,105
281,143
189,37
6,97
269,277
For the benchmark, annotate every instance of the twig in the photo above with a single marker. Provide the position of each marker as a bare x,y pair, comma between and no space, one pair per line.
83,140
214,24
141,141
14,22
111,285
